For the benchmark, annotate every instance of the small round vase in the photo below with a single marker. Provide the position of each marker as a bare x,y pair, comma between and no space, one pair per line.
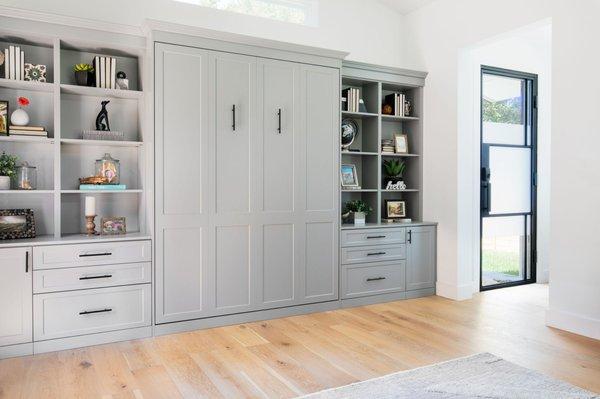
4,183
19,117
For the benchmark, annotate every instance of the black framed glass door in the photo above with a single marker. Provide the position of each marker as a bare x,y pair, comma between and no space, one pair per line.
508,177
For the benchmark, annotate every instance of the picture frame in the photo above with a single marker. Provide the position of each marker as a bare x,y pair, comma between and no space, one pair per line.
115,225
349,176
4,117
395,209
401,143
17,224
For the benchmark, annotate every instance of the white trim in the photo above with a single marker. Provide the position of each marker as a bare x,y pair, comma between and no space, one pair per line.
575,323
452,291
16,350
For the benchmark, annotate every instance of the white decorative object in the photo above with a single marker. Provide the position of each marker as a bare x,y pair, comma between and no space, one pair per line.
400,185
359,218
4,183
123,84
90,206
19,117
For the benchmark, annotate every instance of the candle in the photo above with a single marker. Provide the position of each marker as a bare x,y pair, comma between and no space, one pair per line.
90,206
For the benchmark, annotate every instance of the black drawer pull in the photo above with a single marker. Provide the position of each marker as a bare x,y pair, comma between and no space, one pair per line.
92,255
371,237
95,277
376,279
95,311
375,253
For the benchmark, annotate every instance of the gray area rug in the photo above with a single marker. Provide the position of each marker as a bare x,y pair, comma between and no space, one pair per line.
479,376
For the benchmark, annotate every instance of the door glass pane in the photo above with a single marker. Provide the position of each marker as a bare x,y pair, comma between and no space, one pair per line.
503,249
503,116
510,179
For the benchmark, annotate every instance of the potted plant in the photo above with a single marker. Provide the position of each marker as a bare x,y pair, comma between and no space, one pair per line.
394,170
8,168
358,210
82,73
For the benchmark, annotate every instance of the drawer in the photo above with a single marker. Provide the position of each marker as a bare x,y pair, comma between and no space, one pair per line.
105,253
373,278
376,253
66,314
77,278
361,237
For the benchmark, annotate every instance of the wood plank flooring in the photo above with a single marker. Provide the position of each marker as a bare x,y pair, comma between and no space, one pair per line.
297,355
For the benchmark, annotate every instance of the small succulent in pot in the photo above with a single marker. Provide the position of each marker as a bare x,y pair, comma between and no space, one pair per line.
83,72
394,170
357,210
8,169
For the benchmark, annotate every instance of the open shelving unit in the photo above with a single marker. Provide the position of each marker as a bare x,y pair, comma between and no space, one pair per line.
66,110
374,83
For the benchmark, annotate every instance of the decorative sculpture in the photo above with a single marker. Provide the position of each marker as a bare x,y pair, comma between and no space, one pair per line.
102,118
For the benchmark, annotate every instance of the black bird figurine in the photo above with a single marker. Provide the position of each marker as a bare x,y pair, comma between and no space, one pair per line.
102,118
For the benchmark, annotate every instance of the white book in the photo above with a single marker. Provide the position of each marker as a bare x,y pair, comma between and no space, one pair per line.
97,71
102,72
12,61
107,73
6,64
402,101
22,65
113,73
17,63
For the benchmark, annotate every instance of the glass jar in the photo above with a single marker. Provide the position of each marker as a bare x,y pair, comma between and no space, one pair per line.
26,177
109,168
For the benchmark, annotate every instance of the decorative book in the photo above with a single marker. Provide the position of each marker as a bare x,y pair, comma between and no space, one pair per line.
102,187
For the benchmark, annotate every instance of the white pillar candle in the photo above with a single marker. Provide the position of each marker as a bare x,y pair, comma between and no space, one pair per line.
90,206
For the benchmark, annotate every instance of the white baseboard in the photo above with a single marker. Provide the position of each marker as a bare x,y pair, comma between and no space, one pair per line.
451,291
16,350
575,323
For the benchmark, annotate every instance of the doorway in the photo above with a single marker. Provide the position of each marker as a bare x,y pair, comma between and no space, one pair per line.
508,178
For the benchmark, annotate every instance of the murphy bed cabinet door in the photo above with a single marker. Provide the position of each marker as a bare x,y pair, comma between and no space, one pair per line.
281,252
182,182
420,264
236,147
319,201
16,294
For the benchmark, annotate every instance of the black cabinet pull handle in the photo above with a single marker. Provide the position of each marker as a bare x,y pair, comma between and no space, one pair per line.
376,279
279,118
95,277
410,236
233,112
92,255
375,253
371,237
26,261
95,311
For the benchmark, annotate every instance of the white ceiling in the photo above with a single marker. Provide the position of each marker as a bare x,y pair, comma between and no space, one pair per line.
406,6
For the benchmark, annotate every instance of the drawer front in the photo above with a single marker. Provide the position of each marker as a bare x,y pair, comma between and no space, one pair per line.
362,237
377,253
78,278
373,278
67,314
106,253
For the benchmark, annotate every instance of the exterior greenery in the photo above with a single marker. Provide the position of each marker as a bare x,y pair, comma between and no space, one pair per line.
501,262
502,112
8,165
358,206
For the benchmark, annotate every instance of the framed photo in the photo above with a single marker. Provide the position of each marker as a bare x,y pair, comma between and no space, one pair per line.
113,226
401,143
395,209
349,177
4,118
16,223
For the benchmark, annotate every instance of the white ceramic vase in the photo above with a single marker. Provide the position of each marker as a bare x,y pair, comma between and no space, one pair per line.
359,218
4,183
19,117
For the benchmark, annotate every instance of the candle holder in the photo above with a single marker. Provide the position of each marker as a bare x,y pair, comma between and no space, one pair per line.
90,226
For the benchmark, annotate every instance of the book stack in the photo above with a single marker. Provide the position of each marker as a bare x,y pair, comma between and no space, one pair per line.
31,131
106,72
396,101
387,146
103,187
14,63
352,96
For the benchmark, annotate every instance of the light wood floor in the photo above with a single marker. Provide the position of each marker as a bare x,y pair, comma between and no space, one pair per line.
302,354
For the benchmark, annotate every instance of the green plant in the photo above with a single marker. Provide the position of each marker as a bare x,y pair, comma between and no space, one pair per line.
358,206
8,165
394,167
83,68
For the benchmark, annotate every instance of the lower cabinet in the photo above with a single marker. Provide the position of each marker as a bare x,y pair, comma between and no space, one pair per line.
420,258
15,296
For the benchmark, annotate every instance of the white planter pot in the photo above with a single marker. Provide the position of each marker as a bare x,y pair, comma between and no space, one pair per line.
4,183
359,218
19,117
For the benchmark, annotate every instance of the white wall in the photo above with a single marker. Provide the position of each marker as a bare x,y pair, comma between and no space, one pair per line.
437,36
374,35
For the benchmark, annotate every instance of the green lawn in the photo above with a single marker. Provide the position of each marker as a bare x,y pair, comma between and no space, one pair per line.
501,262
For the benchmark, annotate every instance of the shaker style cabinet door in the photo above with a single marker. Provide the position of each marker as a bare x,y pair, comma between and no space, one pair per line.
420,258
16,293
182,182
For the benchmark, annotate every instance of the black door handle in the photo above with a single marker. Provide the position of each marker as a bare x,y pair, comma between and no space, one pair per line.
375,253
98,254
376,279
233,112
95,277
410,236
279,118
26,261
95,311
372,237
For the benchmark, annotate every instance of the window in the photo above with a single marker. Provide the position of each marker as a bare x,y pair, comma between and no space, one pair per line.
302,12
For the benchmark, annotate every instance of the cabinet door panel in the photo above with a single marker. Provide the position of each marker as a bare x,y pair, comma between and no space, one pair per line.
279,264
421,262
321,262
233,268
235,106
16,293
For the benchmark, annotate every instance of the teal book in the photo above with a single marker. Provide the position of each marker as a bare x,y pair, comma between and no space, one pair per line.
102,187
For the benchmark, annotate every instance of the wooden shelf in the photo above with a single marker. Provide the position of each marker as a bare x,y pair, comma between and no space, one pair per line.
26,85
102,143
359,115
399,118
358,153
100,92
72,239
408,190
27,139
26,192
132,191
384,154
366,190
